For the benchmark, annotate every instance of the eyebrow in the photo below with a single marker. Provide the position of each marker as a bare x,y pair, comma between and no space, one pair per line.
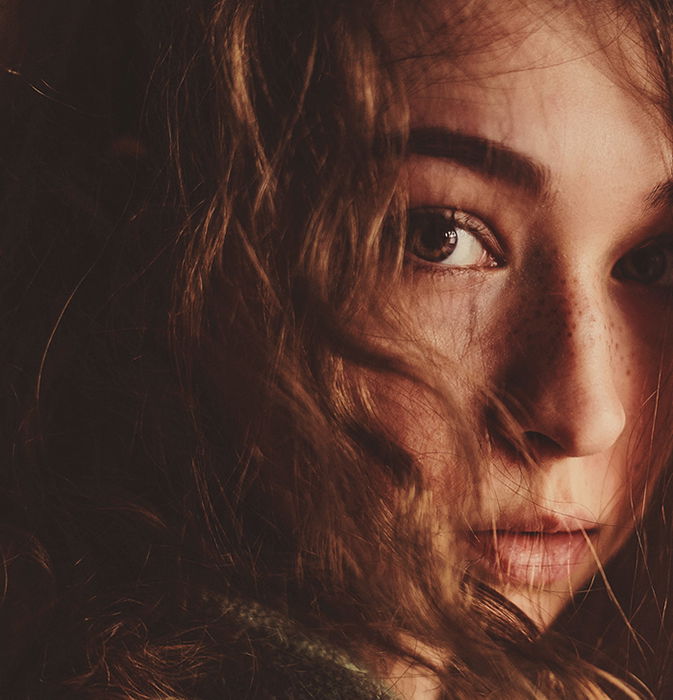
662,195
483,156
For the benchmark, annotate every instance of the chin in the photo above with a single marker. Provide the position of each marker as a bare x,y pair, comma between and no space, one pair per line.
541,606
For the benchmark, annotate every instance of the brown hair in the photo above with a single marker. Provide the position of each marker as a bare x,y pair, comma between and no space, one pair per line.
190,238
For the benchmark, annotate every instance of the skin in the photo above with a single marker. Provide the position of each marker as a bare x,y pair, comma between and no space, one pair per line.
544,305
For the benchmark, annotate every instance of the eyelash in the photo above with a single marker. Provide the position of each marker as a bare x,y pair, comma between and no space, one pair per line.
620,269
438,223
631,268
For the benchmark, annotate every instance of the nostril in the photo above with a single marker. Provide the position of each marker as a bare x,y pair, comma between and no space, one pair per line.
541,445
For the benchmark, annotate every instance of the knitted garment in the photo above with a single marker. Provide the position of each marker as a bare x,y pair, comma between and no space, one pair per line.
279,661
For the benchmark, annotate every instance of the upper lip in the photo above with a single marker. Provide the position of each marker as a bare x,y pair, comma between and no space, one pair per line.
540,523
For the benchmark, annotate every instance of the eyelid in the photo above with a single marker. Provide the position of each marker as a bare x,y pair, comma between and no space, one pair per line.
658,230
664,239
485,233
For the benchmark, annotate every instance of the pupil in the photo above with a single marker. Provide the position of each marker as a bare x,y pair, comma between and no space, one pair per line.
433,236
648,264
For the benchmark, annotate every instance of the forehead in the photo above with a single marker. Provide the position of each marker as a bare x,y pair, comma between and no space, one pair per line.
551,80
460,56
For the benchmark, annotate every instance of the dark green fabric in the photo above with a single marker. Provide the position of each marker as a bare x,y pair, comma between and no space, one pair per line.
279,661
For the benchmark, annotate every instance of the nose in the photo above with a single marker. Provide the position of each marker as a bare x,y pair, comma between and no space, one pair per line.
565,379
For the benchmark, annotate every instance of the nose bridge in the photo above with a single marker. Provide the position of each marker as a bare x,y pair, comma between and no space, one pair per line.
566,375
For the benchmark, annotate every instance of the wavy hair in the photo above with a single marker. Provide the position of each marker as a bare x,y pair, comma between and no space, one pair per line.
201,203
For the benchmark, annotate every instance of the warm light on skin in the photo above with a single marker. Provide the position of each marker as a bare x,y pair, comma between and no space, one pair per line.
571,347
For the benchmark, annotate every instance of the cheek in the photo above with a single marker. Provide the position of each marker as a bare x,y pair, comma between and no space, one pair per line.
643,341
643,352
426,423
438,419
452,326
444,337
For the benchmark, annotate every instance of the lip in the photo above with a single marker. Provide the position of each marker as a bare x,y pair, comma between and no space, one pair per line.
545,552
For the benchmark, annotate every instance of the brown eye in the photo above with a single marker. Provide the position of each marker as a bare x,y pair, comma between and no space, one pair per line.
448,237
651,264
432,235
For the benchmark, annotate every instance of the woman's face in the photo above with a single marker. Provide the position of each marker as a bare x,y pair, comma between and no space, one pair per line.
540,268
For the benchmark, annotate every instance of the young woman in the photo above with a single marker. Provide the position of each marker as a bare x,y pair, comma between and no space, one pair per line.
337,349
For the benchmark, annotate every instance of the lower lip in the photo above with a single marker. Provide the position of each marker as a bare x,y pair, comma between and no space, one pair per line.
537,559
